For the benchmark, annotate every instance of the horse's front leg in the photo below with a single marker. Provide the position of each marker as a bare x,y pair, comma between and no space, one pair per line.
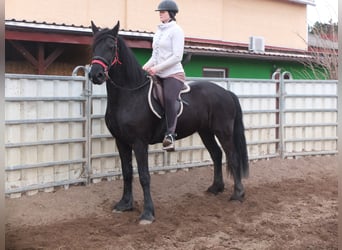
126,202
141,155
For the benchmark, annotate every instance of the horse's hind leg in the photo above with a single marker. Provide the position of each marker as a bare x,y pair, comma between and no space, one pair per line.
215,152
126,202
233,166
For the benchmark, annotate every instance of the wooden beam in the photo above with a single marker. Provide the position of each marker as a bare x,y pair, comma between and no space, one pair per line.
47,37
142,44
53,56
68,38
41,57
40,63
26,54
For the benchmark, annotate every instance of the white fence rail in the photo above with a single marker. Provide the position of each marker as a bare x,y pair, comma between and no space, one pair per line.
44,138
309,115
56,135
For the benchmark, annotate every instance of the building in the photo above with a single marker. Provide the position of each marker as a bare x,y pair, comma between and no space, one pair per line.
249,39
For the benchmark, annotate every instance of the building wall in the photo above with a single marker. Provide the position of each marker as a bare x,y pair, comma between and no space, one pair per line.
237,67
282,23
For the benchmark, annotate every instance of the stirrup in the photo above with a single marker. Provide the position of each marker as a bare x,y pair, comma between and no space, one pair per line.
168,142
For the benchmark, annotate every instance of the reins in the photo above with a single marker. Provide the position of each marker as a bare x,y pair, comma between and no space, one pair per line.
129,89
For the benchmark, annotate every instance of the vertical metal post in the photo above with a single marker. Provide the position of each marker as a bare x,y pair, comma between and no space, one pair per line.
281,117
87,92
282,96
88,128
228,84
2,135
276,76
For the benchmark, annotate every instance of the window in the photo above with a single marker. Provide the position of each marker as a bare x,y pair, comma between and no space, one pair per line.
215,72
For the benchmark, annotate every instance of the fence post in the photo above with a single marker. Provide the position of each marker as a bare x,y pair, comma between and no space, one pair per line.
87,92
278,130
282,95
88,128
281,117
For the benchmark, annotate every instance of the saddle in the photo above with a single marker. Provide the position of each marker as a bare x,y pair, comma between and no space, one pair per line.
156,98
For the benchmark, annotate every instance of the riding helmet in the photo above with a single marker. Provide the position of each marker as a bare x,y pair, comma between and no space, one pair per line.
168,5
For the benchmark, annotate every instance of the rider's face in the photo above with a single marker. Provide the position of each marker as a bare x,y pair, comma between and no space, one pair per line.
164,16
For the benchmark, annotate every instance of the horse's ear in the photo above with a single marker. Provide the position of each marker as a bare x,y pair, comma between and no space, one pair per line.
94,28
116,29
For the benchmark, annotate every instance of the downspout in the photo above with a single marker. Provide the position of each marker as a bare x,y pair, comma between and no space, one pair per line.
186,59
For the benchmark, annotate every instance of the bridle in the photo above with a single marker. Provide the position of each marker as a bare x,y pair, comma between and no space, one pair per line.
104,63
115,60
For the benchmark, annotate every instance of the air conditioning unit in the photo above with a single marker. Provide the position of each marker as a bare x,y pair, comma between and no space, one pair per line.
256,44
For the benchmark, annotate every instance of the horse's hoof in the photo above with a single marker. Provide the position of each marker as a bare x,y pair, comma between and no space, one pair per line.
116,211
122,207
146,219
145,222
215,189
235,197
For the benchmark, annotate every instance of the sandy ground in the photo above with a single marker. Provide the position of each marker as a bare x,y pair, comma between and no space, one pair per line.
290,204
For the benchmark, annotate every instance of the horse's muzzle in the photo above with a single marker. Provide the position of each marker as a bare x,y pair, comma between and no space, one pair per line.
97,76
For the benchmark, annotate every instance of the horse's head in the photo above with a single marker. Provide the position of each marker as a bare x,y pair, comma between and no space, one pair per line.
105,52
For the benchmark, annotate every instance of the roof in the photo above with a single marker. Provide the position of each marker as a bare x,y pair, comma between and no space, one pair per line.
308,2
320,42
243,53
70,33
65,28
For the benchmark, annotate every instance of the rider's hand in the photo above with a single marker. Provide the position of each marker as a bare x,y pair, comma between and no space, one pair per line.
152,71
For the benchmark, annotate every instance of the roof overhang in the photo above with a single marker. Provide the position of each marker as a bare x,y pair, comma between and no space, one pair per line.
220,52
205,47
62,33
307,2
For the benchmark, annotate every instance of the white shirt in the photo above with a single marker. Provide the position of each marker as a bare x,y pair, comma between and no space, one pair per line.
168,49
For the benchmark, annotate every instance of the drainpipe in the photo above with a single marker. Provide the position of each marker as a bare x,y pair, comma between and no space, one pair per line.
186,59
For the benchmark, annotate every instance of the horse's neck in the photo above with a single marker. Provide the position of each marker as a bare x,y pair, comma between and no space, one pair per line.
129,73
122,81
123,88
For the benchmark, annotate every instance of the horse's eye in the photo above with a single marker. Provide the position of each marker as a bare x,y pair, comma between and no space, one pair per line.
110,43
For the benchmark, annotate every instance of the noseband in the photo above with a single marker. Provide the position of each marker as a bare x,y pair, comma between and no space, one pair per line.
104,63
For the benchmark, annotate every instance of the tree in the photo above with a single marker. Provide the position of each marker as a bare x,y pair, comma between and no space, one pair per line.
326,30
323,51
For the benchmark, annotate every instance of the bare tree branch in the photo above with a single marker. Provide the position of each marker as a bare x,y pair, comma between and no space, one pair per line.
323,51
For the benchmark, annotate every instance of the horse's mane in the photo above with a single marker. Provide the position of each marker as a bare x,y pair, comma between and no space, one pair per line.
133,70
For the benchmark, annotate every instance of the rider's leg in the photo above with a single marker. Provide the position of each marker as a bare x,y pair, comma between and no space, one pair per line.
171,89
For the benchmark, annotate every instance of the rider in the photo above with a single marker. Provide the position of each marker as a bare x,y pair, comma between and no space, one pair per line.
165,63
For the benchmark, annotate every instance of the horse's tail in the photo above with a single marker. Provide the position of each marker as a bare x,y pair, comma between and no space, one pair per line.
240,139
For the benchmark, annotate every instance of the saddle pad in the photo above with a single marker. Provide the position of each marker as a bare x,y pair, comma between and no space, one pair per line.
156,108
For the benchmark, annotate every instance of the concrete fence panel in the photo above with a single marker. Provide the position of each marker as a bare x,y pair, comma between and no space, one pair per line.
56,134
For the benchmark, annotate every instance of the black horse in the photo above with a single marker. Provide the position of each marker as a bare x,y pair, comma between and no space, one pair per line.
211,111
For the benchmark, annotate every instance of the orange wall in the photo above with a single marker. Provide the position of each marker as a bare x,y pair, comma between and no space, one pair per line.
282,23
